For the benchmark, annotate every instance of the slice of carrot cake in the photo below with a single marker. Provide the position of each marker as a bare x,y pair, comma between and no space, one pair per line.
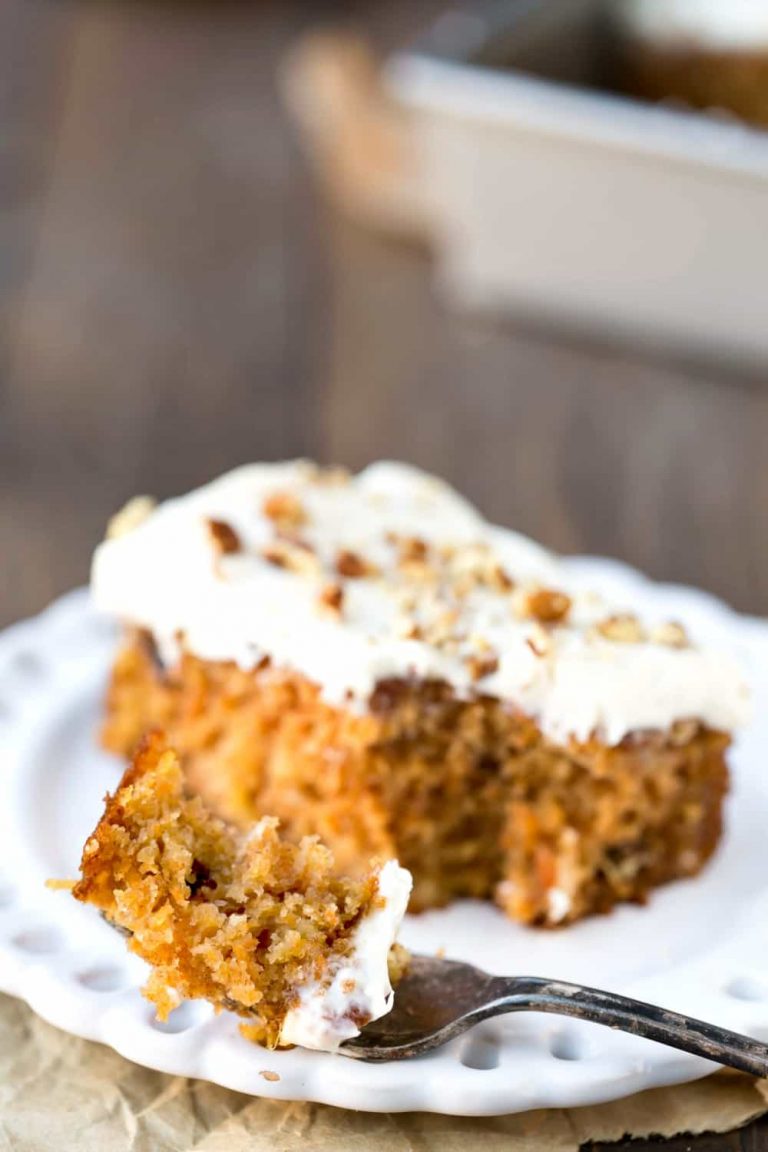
372,662
245,920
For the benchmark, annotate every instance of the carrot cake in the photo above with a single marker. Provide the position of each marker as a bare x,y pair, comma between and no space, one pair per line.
707,54
243,919
370,661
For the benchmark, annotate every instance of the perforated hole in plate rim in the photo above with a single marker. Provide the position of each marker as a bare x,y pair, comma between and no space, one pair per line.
481,1050
747,988
24,664
190,1014
104,978
37,941
568,1046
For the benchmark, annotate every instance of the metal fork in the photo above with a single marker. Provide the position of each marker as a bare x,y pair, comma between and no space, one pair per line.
437,1000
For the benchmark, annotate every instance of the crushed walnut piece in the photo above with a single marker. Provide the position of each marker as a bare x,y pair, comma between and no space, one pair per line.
331,599
547,605
408,630
442,627
500,579
284,508
294,556
134,513
671,635
481,666
287,535
353,566
474,566
223,537
410,549
623,628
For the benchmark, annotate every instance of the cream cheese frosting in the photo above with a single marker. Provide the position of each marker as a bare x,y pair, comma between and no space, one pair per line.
354,580
738,25
359,991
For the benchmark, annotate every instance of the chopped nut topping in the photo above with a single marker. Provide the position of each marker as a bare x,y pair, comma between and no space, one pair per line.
410,549
295,557
547,605
623,628
463,584
482,666
671,634
331,598
442,628
223,536
135,512
284,508
501,580
353,566
277,555
406,599
419,572
474,566
289,536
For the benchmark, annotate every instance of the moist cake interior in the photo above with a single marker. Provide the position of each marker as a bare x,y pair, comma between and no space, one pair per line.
243,920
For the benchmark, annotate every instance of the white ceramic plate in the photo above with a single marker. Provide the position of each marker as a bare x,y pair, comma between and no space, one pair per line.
699,946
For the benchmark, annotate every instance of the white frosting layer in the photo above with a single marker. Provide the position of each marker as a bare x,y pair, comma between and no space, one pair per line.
360,989
165,576
738,25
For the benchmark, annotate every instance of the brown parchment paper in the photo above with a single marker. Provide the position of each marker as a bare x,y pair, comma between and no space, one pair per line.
58,1092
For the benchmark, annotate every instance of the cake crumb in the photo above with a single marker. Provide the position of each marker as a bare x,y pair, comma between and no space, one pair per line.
273,1077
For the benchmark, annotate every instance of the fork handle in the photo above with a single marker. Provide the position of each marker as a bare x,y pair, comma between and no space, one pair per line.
536,994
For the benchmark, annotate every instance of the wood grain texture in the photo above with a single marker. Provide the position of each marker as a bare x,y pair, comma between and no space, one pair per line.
176,300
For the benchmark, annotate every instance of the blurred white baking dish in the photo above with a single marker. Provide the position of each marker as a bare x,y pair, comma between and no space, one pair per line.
577,205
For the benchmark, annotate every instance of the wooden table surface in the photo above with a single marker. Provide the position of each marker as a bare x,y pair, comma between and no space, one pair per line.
176,299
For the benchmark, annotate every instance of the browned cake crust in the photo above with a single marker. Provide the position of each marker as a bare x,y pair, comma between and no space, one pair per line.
239,920
468,795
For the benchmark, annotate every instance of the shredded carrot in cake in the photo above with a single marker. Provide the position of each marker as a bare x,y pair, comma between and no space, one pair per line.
242,919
